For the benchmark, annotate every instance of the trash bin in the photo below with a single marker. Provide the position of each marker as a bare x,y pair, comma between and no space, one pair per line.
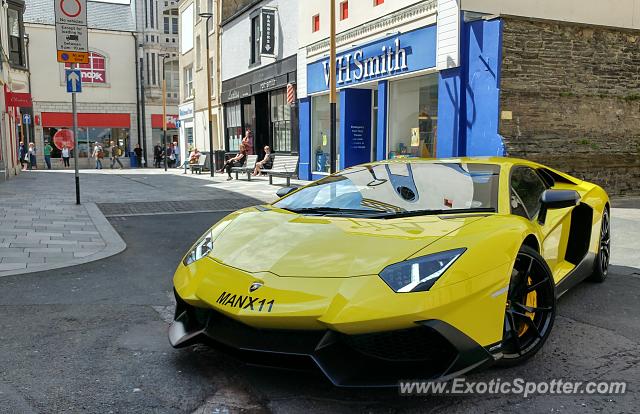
218,158
133,160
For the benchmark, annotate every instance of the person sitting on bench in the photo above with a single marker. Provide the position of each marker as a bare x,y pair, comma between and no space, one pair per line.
237,161
266,163
194,157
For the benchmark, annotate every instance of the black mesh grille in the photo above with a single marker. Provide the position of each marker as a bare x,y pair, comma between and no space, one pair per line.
415,344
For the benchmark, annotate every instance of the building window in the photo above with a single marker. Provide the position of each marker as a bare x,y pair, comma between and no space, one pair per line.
172,77
188,82
315,23
174,25
88,136
166,25
280,121
151,15
321,133
198,53
413,117
255,40
377,2
15,30
211,74
153,69
210,6
344,10
93,72
233,126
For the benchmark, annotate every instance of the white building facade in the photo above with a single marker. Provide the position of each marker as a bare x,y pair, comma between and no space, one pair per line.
259,74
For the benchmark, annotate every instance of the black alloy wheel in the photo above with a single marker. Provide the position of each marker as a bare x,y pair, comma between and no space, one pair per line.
530,308
601,265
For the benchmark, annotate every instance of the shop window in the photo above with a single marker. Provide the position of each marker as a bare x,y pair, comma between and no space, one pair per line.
281,121
255,40
321,133
344,10
188,132
377,2
87,137
315,23
15,30
413,117
233,126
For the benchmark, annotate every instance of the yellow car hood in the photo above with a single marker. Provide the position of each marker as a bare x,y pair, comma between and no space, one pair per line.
289,244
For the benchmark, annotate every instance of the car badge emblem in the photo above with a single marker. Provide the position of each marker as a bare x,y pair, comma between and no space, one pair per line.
255,286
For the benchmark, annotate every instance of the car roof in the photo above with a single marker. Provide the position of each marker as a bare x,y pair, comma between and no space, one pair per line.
502,161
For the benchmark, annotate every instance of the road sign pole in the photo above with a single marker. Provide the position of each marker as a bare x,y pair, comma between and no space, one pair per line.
75,141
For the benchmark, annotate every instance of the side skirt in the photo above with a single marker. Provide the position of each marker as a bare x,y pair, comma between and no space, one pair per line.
582,271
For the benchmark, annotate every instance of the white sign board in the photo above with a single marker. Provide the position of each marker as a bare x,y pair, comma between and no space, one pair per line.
72,38
71,12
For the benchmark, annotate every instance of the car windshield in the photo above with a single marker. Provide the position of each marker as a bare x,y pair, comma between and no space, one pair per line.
403,188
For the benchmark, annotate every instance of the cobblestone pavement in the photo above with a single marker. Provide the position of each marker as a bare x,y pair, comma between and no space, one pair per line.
42,228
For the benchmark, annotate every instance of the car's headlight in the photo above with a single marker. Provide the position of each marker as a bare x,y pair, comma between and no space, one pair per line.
200,250
418,275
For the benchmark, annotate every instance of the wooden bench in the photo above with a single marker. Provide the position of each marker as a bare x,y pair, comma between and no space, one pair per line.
200,165
247,168
285,166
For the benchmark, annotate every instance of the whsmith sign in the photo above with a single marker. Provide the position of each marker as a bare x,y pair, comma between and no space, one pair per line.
392,56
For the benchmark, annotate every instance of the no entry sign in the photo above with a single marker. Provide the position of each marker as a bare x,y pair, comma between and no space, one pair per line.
63,137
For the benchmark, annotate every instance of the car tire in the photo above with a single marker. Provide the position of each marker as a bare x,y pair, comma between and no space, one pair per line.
601,264
530,309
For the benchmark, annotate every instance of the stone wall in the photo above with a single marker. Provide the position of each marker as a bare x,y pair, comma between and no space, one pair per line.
574,96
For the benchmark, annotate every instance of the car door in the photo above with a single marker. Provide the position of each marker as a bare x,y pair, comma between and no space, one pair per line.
527,187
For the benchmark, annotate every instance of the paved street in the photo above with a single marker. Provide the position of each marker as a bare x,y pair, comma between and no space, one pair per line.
92,338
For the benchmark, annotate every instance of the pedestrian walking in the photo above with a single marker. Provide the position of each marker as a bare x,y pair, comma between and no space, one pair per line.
157,156
31,152
22,156
65,155
138,151
171,157
176,152
47,154
116,153
98,154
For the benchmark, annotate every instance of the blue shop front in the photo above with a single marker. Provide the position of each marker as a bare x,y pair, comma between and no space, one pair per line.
395,103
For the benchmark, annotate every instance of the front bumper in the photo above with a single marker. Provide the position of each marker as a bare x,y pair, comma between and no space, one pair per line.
432,350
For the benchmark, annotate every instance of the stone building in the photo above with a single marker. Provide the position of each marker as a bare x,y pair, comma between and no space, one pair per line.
569,85
553,81
15,99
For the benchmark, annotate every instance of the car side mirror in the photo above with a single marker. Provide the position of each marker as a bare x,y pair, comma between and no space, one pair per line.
556,199
284,191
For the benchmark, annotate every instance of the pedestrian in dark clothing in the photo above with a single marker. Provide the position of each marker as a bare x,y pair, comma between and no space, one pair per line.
237,161
157,156
22,154
138,151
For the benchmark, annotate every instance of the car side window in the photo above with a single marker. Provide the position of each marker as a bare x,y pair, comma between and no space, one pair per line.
526,189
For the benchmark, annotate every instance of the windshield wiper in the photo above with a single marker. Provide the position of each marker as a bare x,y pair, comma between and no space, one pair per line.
414,213
331,210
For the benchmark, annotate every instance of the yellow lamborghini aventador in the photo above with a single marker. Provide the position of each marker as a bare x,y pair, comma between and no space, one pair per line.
406,268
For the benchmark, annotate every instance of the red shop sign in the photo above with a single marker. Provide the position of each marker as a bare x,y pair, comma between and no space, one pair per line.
63,137
93,72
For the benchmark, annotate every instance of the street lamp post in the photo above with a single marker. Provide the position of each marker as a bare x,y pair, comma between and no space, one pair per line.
332,85
164,109
208,16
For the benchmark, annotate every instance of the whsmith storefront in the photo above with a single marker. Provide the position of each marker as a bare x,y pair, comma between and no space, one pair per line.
402,90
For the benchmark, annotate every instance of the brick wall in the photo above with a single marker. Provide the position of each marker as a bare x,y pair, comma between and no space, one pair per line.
574,93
